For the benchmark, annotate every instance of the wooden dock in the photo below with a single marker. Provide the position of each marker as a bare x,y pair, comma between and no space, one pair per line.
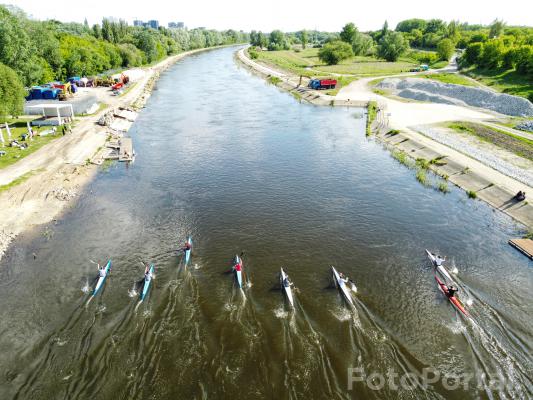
126,149
523,245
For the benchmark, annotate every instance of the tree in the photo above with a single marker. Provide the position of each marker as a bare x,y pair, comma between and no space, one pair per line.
410,25
445,49
385,28
492,54
435,26
348,33
304,38
278,41
392,46
472,53
107,31
12,93
262,40
496,28
334,52
362,44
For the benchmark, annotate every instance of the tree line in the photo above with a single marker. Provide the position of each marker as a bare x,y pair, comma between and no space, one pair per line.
490,47
35,52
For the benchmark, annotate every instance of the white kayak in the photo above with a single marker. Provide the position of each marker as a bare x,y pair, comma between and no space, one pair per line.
439,267
188,252
147,281
101,278
343,287
238,274
285,284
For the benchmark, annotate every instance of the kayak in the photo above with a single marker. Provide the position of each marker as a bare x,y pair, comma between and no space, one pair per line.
146,284
454,300
238,274
188,252
287,289
101,279
439,268
345,290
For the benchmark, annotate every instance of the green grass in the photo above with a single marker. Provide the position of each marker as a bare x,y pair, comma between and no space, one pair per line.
421,176
505,81
456,79
516,144
15,154
274,80
402,157
471,194
18,181
372,111
306,63
443,187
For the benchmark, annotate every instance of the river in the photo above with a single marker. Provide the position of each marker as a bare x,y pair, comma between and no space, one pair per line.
245,168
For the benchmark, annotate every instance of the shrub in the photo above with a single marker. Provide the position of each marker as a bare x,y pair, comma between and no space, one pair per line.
392,46
445,49
334,52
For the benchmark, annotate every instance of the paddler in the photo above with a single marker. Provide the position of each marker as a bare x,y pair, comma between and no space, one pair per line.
147,274
238,267
187,246
286,282
439,260
101,271
451,291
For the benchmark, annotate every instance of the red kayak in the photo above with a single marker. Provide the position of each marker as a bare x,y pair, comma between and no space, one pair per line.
454,300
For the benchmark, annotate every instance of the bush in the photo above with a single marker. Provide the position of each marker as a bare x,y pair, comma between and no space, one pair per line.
334,52
253,54
392,46
445,49
12,92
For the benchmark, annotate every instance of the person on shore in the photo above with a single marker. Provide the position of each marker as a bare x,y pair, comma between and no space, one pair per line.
520,196
451,291
63,130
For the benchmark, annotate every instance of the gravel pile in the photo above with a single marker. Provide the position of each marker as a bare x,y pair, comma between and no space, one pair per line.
5,239
447,93
525,126
486,158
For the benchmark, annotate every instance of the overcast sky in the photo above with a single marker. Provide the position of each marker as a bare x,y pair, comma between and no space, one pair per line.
287,15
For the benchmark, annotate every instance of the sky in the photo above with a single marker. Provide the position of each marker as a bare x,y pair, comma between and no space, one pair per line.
287,15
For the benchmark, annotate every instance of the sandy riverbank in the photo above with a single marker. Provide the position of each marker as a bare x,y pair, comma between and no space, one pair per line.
54,175
412,119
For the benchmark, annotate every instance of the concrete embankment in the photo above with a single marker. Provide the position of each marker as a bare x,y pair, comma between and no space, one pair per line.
453,169
292,84
479,180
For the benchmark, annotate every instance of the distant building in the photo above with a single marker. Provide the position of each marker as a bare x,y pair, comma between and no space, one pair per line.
138,22
178,25
153,23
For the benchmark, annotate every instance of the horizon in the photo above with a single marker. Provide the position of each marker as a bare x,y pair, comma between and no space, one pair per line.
242,17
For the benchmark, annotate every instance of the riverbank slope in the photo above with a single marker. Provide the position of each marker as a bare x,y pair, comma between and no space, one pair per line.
36,189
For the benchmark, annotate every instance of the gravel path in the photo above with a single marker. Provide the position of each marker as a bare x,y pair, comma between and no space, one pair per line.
476,153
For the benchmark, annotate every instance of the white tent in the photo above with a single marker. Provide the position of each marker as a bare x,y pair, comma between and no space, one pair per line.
50,111
1,137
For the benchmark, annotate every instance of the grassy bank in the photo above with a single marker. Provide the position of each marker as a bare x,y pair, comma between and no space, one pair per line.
516,144
456,79
14,154
372,113
306,63
505,81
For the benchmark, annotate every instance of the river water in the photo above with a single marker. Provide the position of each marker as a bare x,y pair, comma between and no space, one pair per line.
243,167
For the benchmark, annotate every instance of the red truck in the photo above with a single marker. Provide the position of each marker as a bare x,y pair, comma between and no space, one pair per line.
322,84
